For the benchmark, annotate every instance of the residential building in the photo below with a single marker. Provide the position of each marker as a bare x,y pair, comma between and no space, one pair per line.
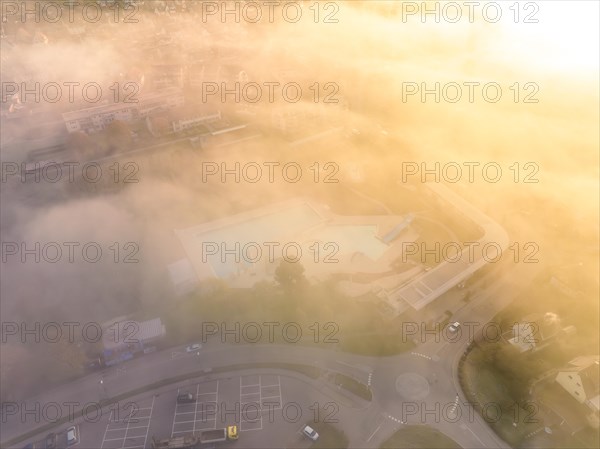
581,379
536,331
180,119
568,397
97,118
185,118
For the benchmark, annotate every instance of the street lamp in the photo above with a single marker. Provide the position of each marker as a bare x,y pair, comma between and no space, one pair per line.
101,382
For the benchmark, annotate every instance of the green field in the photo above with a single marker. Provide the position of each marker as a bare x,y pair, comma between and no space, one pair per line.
419,437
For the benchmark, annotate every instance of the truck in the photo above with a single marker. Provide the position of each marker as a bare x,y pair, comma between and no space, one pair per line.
199,439
186,442
213,436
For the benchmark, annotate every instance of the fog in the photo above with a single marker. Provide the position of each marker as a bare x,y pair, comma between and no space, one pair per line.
369,53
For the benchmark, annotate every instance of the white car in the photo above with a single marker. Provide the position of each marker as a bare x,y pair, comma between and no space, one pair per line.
310,433
194,347
453,327
72,436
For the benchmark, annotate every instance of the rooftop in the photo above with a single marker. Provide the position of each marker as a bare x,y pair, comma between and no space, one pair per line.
433,283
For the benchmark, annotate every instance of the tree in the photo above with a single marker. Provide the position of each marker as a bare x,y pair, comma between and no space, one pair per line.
290,275
519,369
71,354
118,136
81,146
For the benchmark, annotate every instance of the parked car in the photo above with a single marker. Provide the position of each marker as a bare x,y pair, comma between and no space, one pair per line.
453,327
72,436
232,432
183,398
51,441
310,433
194,347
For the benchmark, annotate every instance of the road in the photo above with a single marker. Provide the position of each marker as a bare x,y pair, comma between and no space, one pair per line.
414,388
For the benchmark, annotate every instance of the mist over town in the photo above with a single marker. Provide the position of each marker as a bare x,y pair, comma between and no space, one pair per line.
382,214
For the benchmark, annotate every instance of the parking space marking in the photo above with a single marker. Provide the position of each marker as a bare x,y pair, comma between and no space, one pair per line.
252,388
248,377
196,407
129,427
278,385
253,397
216,403
175,415
243,411
145,433
183,413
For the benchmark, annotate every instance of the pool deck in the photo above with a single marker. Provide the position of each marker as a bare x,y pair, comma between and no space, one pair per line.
360,248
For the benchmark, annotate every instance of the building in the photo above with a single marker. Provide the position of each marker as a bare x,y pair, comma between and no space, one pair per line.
536,332
581,379
97,118
429,285
123,339
568,397
180,119
185,118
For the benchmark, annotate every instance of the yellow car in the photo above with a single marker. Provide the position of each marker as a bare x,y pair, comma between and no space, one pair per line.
232,432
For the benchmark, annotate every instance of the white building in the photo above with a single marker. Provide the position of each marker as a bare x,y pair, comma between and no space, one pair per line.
179,119
123,338
580,379
97,118
182,120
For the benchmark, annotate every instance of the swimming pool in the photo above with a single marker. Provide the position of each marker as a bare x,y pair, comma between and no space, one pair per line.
352,239
282,226
300,224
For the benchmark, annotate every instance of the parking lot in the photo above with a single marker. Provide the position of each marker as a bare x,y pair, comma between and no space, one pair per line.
128,426
258,395
200,415
255,403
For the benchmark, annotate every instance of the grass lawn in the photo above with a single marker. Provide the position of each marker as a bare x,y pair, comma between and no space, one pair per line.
419,437
489,390
376,344
326,318
329,437
352,385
